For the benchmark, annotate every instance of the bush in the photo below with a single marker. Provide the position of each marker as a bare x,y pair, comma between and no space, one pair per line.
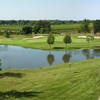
7,34
27,30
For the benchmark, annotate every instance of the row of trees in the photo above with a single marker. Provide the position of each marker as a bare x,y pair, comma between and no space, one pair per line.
67,39
32,22
45,27
86,29
50,40
39,27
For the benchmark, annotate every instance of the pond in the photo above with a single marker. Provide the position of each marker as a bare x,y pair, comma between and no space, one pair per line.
15,57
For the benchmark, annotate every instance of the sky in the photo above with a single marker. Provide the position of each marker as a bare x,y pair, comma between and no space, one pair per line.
49,9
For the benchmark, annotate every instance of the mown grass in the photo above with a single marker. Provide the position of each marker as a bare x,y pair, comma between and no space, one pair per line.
11,27
41,43
65,28
72,81
55,28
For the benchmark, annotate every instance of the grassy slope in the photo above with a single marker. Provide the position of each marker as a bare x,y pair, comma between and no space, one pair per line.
74,81
41,43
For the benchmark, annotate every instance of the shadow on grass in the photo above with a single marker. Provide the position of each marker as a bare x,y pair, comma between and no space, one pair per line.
58,47
61,48
10,74
16,94
96,47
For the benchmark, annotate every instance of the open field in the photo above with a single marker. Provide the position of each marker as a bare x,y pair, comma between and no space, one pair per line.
11,27
65,28
55,28
72,81
41,43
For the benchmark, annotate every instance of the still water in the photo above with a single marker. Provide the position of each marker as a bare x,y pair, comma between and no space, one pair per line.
15,57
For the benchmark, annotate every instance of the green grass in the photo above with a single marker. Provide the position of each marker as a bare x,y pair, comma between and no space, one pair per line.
73,28
41,43
65,28
11,27
55,28
68,26
72,81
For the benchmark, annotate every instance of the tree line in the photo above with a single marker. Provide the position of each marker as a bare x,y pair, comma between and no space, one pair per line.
86,29
51,39
44,26
32,22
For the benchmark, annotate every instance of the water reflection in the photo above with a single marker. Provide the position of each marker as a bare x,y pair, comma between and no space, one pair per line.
88,53
50,59
96,52
66,57
3,48
0,65
19,58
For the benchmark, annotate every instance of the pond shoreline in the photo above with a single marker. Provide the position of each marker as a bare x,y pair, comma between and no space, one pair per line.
14,57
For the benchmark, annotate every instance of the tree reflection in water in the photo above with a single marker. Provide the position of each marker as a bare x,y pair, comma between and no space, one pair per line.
96,52
88,53
0,65
50,58
66,57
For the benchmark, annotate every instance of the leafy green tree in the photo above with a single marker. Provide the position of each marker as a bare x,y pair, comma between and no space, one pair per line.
85,26
89,38
7,33
42,27
27,30
42,30
96,26
67,39
50,40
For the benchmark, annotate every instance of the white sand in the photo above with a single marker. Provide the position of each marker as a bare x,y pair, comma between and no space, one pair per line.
96,37
81,36
37,37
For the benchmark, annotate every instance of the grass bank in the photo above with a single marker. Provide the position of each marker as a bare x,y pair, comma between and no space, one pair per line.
41,43
72,81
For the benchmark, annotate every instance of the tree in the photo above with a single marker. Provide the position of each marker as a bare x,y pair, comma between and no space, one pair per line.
96,26
42,27
7,33
85,26
89,38
50,40
67,39
27,30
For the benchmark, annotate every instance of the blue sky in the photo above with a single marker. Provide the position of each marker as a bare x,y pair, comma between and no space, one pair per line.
49,9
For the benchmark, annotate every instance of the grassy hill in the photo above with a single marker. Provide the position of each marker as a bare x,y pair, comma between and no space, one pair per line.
72,81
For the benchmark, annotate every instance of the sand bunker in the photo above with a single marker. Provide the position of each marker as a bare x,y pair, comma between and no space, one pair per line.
37,37
96,37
